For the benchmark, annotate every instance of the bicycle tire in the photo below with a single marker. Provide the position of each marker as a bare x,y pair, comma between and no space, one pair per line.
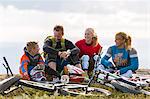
78,89
7,83
38,85
125,89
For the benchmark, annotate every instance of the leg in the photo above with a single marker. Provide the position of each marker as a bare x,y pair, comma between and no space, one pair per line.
128,74
74,60
91,67
51,61
85,62
52,65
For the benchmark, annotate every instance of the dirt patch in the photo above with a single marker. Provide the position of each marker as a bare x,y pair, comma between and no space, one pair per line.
143,71
4,76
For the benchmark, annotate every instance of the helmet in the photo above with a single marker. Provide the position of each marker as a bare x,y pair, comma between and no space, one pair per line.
75,74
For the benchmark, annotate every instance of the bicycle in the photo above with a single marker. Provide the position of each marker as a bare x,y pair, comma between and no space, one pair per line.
61,87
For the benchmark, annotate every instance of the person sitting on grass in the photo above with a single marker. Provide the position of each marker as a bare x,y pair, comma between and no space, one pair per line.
89,48
59,51
32,65
124,57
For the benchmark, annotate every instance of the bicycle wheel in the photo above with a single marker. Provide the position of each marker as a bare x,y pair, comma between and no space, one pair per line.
78,89
125,88
39,85
7,83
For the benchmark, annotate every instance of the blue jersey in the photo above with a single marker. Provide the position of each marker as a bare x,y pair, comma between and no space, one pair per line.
121,54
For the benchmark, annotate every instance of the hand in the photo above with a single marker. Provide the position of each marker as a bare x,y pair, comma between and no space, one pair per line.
64,54
25,76
116,59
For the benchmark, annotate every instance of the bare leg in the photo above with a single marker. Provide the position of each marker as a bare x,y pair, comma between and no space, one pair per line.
52,65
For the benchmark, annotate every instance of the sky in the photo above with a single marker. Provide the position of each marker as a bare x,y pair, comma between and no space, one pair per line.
24,20
34,20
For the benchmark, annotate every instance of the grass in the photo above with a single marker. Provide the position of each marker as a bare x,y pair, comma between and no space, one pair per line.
36,94
30,93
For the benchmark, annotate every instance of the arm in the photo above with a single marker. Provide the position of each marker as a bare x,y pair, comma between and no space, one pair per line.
48,47
105,59
24,63
133,62
73,49
24,67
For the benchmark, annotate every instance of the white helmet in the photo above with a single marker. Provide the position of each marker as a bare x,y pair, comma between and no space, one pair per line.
74,70
76,74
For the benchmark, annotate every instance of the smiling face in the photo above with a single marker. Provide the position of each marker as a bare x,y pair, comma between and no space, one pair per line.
120,40
89,33
35,49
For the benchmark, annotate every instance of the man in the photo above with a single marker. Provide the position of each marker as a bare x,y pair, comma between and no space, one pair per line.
60,51
32,65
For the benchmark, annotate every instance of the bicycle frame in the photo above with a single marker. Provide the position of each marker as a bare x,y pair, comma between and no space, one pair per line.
119,82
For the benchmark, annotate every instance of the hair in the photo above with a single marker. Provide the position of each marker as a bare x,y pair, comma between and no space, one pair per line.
30,45
59,28
123,35
95,39
129,40
90,30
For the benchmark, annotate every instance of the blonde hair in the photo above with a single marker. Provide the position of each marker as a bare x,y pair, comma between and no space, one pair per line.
90,30
31,45
122,34
94,38
127,39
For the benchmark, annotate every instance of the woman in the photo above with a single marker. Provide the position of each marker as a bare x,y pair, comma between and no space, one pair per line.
124,58
89,47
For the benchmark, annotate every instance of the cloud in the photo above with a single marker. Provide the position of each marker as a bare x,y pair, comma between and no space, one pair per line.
32,23
28,20
82,6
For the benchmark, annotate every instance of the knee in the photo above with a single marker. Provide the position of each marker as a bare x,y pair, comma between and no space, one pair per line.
128,74
85,62
52,65
85,58
129,71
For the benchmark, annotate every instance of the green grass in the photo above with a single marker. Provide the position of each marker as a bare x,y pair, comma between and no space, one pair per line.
30,93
